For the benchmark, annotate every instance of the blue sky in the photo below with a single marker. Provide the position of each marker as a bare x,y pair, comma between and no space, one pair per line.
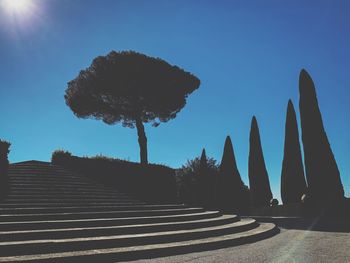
248,55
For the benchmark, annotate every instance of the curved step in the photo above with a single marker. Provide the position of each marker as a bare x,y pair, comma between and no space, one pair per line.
27,225
46,181
120,230
70,208
62,190
54,199
104,214
66,196
151,250
49,186
48,173
63,204
98,242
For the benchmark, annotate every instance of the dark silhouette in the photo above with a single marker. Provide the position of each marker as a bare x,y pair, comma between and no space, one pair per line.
197,180
151,183
324,184
4,164
104,221
130,88
232,194
293,184
205,183
258,178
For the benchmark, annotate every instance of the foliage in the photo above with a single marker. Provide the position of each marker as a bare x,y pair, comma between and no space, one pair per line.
4,163
4,148
293,184
150,183
260,190
233,195
60,156
130,88
322,173
188,178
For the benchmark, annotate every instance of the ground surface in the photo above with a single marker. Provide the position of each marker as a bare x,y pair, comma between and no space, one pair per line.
295,244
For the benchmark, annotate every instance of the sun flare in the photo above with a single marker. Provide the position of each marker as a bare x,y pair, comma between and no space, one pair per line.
18,7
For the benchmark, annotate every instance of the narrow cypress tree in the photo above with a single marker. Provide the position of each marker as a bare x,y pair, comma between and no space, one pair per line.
293,184
258,178
232,193
323,177
203,184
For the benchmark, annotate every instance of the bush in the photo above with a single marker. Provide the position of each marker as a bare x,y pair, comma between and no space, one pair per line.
190,184
4,163
150,183
60,156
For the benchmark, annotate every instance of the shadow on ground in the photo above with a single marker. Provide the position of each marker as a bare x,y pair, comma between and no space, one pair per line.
311,224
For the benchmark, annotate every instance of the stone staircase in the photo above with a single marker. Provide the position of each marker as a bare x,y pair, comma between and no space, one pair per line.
55,215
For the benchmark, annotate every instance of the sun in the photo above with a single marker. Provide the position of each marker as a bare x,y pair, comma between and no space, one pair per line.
18,7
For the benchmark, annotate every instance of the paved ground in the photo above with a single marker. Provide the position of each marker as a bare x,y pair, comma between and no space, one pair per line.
295,244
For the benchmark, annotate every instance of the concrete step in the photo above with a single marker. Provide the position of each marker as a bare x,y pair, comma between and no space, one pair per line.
62,184
55,198
66,195
78,209
121,230
67,201
33,166
90,215
49,188
41,179
63,204
43,191
111,252
34,173
48,224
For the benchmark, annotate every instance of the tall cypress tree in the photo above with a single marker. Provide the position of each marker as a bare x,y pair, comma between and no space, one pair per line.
232,193
258,178
323,177
293,184
204,187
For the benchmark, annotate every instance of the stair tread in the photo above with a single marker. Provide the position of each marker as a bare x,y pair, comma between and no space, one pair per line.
81,207
116,237
222,217
241,236
105,219
101,212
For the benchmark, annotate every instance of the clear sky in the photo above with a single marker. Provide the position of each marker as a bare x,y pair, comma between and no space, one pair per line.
247,54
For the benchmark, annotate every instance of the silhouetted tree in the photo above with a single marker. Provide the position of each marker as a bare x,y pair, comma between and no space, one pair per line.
205,183
258,178
324,183
188,180
130,88
4,163
232,194
293,184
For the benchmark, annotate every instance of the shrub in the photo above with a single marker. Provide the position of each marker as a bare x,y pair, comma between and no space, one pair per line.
150,183
4,163
60,157
189,181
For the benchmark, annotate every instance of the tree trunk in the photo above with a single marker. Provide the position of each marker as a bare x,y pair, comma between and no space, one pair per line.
142,141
